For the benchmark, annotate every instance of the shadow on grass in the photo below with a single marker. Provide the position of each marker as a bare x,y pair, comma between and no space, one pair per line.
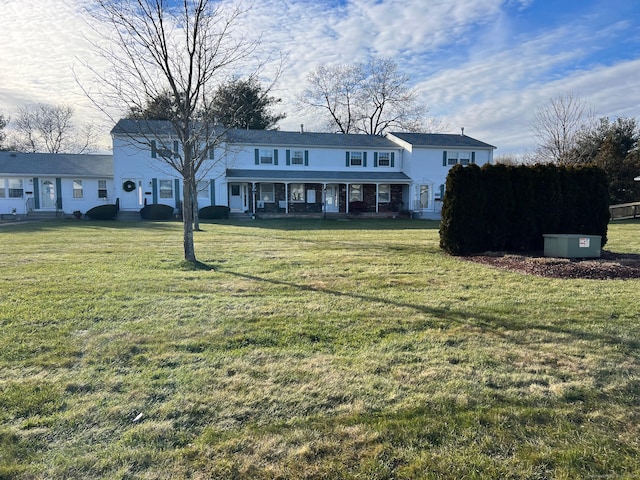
331,224
448,316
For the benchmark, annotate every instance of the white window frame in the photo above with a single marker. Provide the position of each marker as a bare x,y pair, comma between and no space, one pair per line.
3,191
452,158
15,187
267,192
165,188
296,192
103,193
464,158
297,157
78,189
384,159
202,187
355,192
355,159
384,193
266,156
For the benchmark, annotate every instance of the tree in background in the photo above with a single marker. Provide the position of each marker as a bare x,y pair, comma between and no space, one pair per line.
614,147
50,128
556,128
155,47
371,97
244,104
161,107
3,124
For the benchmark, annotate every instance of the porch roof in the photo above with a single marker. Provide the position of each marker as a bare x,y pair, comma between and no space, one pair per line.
283,176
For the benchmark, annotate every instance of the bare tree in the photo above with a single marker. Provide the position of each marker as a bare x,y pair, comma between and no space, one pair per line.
50,128
370,98
556,127
181,49
3,124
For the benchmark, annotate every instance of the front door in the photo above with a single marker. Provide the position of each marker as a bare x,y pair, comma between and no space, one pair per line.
237,197
132,198
47,193
331,199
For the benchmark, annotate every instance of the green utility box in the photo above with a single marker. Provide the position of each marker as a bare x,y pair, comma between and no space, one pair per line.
572,245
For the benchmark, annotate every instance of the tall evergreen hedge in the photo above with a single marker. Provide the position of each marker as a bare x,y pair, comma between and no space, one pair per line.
500,207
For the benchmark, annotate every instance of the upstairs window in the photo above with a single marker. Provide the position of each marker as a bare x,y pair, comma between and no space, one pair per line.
77,189
2,188
384,159
166,188
102,189
297,157
453,158
355,159
266,157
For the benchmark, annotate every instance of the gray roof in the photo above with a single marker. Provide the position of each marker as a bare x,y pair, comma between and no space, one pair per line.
56,164
440,140
316,176
308,139
261,137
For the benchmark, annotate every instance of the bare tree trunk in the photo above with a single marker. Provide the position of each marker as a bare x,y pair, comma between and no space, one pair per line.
187,219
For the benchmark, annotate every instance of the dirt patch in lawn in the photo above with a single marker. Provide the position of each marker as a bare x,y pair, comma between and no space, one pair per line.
609,266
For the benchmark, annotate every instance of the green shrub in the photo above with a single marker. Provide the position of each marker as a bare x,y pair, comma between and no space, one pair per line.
103,212
156,211
214,212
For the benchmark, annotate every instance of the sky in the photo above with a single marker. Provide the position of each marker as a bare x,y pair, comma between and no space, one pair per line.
485,65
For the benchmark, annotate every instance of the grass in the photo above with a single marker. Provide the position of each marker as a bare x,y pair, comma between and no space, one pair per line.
307,349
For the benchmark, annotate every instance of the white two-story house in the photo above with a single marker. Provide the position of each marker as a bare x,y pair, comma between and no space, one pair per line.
293,173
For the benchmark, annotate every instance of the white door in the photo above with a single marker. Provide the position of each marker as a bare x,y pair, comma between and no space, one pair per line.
131,194
237,197
331,199
47,193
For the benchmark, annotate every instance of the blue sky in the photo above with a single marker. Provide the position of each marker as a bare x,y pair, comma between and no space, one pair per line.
485,65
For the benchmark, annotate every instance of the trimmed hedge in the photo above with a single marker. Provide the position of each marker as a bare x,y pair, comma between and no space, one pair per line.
500,207
103,212
156,211
214,212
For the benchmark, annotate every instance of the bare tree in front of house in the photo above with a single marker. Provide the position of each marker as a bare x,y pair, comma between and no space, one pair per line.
51,129
180,49
368,97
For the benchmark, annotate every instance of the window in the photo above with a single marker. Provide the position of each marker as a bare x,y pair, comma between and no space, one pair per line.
166,188
15,188
102,189
2,184
423,200
77,189
355,159
266,157
297,192
452,158
355,193
203,189
297,157
266,192
384,193
463,158
384,159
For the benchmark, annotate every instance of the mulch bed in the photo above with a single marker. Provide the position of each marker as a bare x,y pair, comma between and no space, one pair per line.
610,266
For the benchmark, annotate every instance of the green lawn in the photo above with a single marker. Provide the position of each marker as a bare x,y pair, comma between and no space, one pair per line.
309,349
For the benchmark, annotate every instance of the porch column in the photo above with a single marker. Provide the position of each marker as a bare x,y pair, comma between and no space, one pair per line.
377,197
324,200
286,199
253,195
346,207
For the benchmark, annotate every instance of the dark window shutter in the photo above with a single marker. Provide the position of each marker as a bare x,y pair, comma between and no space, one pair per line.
473,157
154,149
393,159
175,147
364,159
375,159
257,151
275,157
288,154
444,158
306,158
176,192
348,158
154,190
